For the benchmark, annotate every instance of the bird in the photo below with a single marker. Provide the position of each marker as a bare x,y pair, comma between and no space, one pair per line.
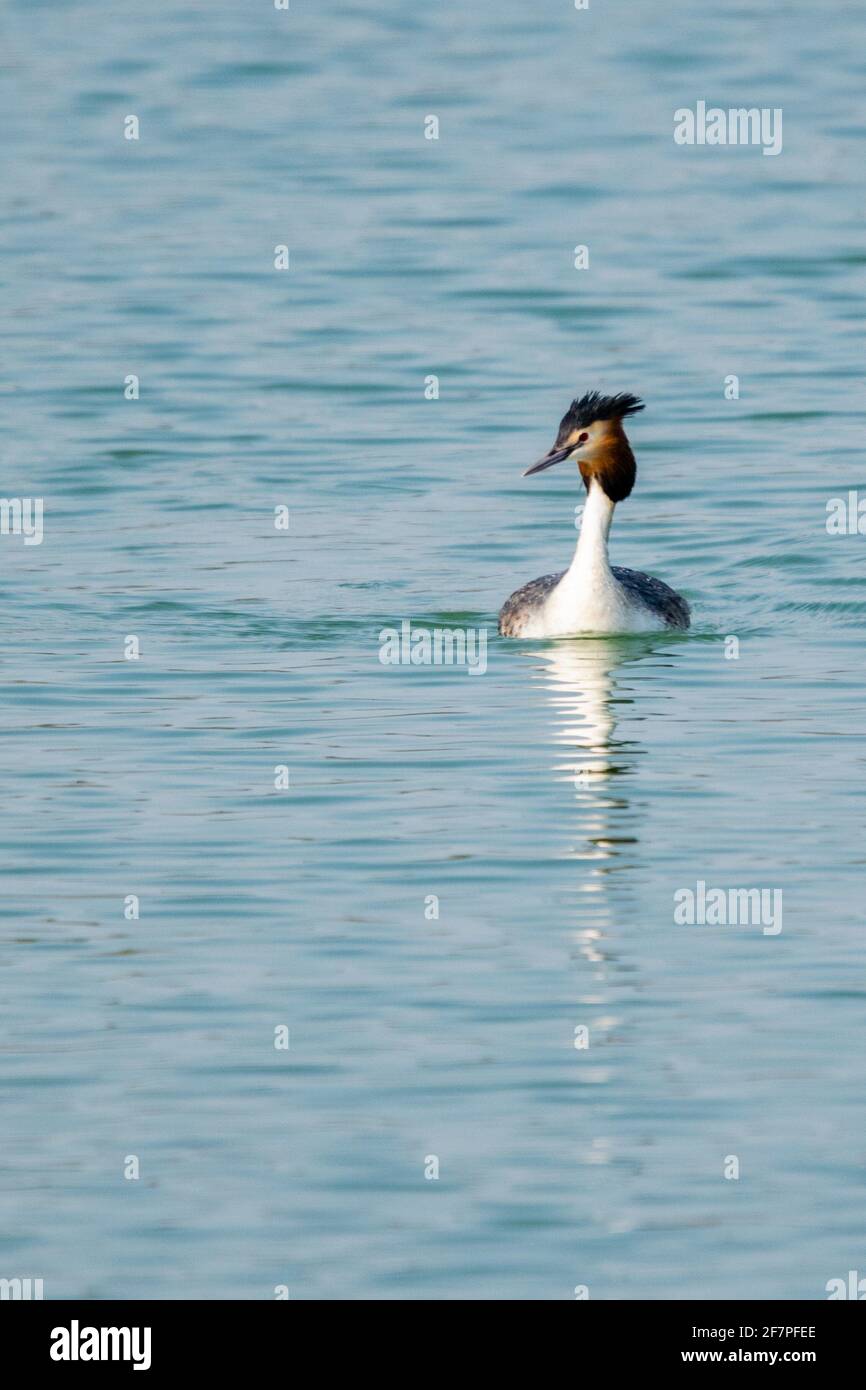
592,596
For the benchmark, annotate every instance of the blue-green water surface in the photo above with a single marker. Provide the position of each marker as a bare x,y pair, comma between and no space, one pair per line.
552,806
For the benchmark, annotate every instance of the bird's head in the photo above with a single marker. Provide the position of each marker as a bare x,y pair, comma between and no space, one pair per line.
591,433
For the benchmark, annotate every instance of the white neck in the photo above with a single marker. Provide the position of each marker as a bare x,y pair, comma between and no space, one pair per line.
590,557
587,594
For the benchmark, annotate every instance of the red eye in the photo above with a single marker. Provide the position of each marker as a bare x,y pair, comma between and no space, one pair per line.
582,438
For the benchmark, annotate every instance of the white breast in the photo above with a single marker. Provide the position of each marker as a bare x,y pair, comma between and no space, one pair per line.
589,598
602,607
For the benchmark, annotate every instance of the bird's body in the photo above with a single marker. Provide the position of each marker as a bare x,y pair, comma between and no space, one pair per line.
635,602
592,596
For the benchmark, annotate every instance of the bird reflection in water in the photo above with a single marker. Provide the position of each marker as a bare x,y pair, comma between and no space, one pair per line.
580,680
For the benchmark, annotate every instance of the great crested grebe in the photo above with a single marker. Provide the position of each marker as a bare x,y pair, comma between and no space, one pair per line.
593,596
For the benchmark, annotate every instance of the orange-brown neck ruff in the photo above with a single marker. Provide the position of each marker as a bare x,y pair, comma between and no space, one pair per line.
611,463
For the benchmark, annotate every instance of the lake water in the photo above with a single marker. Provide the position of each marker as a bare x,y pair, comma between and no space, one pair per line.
553,805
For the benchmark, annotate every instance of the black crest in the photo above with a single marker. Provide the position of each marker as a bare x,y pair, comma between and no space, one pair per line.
594,406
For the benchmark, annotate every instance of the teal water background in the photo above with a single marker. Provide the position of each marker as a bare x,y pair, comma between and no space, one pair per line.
555,804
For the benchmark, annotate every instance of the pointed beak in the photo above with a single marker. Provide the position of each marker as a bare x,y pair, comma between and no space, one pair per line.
555,456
